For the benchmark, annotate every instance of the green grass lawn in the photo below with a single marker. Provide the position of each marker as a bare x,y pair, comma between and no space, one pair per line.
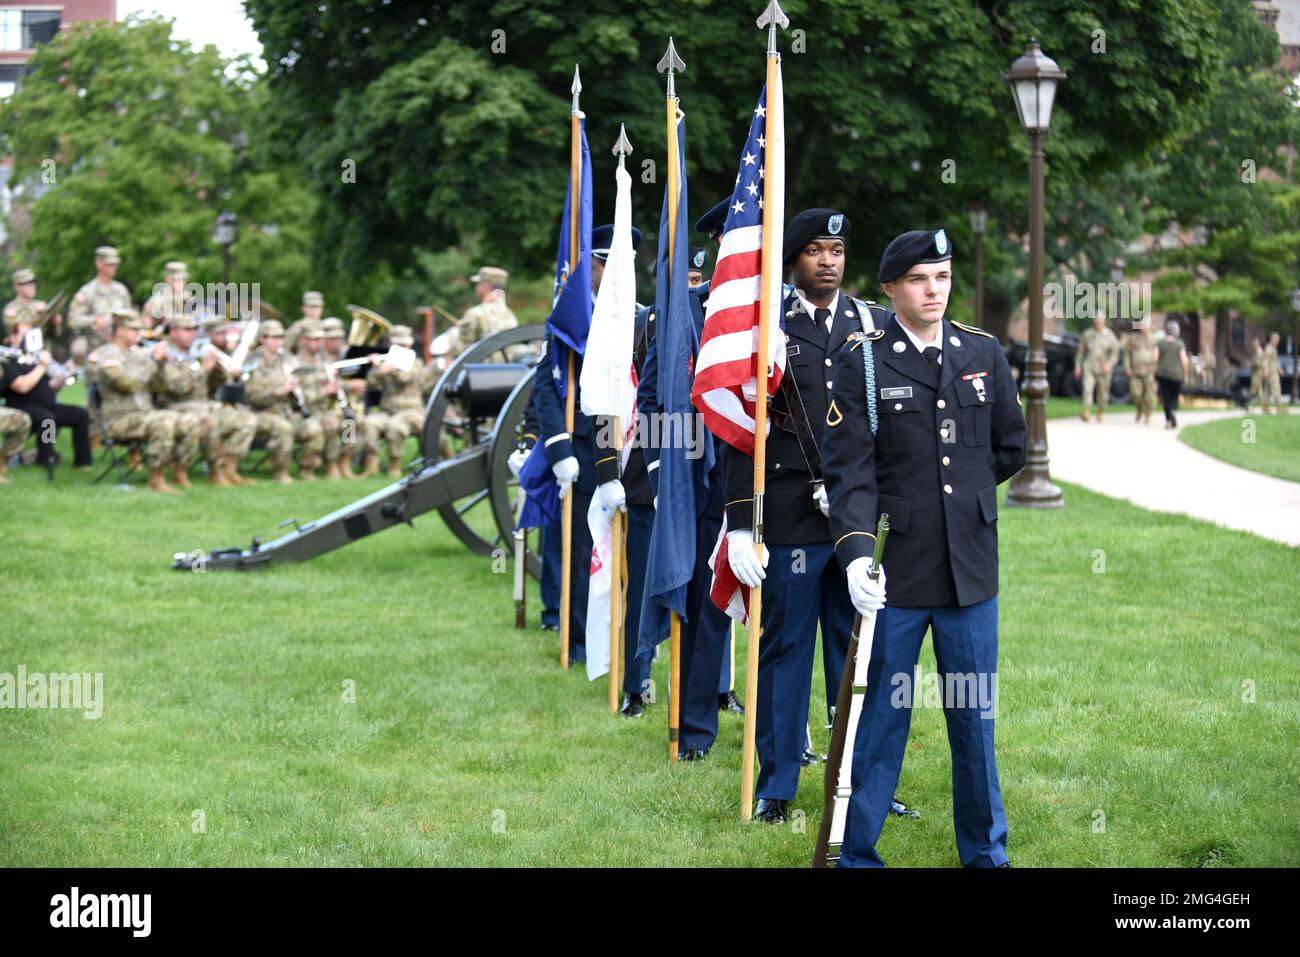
1261,443
1121,698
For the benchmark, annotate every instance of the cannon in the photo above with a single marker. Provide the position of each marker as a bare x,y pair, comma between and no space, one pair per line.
470,429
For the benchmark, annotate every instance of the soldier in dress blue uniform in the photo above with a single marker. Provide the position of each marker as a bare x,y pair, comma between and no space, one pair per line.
706,629
926,434
574,458
804,584
551,556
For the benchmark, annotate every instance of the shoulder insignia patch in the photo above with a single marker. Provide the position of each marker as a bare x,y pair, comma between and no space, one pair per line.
860,337
974,330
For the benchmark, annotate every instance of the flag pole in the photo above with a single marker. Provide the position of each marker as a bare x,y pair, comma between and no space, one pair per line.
672,65
575,246
616,616
772,18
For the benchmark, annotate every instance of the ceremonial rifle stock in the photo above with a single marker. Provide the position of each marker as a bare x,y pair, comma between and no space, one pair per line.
838,783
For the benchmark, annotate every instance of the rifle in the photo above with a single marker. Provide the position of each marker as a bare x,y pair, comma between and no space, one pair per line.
838,782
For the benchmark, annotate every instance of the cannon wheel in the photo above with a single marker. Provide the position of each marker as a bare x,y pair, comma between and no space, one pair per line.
484,521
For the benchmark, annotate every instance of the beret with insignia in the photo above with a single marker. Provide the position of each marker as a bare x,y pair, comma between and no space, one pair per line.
813,224
911,248
698,257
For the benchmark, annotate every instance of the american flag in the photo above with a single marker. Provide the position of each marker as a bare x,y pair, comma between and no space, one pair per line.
726,382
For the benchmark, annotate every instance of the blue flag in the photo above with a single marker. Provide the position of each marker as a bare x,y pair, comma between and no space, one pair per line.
685,453
570,317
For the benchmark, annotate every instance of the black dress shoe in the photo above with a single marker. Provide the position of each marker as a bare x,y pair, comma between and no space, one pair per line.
549,627
902,810
1005,864
729,702
693,754
772,811
633,706
808,757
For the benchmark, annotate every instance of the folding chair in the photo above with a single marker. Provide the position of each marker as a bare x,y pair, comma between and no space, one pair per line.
117,453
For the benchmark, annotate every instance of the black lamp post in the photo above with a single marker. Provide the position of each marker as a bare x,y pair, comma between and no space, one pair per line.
979,222
224,236
1033,79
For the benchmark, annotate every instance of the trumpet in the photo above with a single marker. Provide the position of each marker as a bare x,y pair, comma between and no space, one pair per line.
299,400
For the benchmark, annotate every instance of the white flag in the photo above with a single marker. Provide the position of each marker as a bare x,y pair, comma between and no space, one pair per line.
606,365
598,590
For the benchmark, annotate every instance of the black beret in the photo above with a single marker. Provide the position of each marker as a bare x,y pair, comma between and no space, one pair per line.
698,257
917,246
812,224
603,236
713,221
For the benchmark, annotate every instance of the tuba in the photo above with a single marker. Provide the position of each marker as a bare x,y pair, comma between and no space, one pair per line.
368,328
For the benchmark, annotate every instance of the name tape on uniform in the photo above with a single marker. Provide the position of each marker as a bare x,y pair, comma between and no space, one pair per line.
904,392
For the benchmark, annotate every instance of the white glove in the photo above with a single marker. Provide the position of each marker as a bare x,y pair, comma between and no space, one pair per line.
823,503
744,562
612,496
866,595
516,461
566,473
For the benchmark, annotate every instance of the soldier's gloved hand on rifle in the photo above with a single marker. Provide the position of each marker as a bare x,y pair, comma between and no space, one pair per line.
819,496
516,461
612,496
744,563
866,595
566,473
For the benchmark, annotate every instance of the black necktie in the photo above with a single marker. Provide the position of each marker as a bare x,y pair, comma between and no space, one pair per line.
820,317
931,354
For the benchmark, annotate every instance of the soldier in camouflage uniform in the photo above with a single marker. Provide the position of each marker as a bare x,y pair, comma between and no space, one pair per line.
401,406
168,299
25,307
491,315
125,376
1256,366
15,426
270,386
313,304
91,312
368,429
1270,379
184,384
1094,360
1140,356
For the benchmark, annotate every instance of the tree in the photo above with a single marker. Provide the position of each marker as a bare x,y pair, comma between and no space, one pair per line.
123,135
458,124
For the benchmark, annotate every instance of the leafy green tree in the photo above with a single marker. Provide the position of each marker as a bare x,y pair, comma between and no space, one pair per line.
123,135
457,121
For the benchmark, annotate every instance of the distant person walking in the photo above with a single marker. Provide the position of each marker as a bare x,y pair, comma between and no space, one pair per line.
1171,371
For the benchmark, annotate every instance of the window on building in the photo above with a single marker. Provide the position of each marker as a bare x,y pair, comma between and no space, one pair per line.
11,30
39,26
11,75
1238,335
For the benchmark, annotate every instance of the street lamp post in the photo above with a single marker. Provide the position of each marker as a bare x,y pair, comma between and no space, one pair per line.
1033,79
224,236
1295,346
1117,277
979,222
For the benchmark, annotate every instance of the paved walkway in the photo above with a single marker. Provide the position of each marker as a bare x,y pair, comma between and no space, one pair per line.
1150,466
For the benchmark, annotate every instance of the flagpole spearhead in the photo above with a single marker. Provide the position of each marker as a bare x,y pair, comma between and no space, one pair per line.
623,147
773,18
671,64
576,88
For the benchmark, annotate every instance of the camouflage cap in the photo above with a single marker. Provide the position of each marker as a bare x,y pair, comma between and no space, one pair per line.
176,268
126,319
494,276
179,319
332,327
312,329
270,329
313,298
401,336
24,275
108,254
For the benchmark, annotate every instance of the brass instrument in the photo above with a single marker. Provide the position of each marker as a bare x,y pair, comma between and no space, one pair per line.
299,400
368,327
